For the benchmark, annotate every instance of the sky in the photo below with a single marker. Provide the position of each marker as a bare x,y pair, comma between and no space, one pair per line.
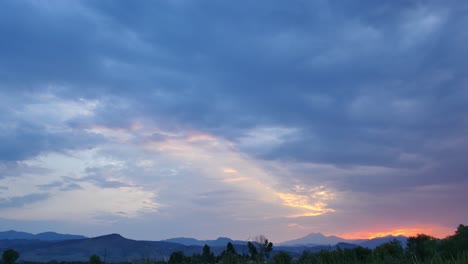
160,119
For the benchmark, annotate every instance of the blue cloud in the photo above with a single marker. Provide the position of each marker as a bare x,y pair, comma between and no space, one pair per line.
19,201
268,68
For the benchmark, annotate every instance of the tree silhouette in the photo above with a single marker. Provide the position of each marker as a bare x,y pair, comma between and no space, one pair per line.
207,255
362,253
252,250
282,258
95,259
264,247
177,257
228,257
230,248
9,256
422,247
455,244
389,250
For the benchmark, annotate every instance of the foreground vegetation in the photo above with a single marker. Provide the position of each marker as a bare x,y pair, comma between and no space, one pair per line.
420,249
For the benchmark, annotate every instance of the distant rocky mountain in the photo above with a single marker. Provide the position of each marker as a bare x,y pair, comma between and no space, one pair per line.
46,236
317,239
314,239
219,242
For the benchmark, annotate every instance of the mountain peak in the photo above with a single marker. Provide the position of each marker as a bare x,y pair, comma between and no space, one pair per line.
223,239
113,236
314,239
46,236
318,234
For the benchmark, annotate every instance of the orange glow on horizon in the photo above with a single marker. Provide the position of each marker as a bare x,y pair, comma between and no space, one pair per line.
439,232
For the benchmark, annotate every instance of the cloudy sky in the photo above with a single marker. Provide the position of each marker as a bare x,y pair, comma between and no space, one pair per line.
202,119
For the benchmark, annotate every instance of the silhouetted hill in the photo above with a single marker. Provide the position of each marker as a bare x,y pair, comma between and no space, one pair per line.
314,239
115,248
344,245
188,241
46,236
296,251
112,248
222,242
219,242
317,239
15,235
375,242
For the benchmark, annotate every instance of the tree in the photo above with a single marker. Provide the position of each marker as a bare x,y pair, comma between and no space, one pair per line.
228,257
230,248
177,257
207,255
422,247
252,250
9,256
306,257
389,250
264,247
95,259
362,253
282,258
455,244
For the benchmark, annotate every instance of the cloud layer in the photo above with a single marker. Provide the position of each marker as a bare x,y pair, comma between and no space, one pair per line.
245,118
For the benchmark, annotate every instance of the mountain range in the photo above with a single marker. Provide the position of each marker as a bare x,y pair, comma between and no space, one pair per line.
46,236
111,248
219,242
49,246
316,239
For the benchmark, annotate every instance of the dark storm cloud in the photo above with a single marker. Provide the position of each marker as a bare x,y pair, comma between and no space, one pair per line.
271,70
363,83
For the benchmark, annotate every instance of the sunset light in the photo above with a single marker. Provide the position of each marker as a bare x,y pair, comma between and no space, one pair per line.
329,127
439,232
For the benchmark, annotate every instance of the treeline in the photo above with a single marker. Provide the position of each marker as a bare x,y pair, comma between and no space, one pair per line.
259,252
419,249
